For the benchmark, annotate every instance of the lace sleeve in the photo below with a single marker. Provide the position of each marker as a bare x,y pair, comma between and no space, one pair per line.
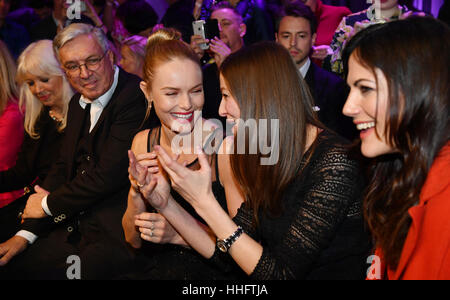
333,184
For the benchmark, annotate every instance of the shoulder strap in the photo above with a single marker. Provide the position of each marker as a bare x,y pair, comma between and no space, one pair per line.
153,135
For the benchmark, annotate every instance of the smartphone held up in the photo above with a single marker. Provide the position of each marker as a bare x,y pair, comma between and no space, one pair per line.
207,30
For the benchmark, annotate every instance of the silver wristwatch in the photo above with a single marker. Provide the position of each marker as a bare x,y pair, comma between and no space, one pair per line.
225,245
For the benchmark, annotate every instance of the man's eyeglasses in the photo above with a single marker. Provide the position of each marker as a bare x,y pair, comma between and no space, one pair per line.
91,64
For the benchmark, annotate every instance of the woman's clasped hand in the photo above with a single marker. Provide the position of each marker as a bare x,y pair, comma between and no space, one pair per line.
146,179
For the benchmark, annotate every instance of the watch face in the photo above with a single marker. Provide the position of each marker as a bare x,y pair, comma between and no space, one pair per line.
222,247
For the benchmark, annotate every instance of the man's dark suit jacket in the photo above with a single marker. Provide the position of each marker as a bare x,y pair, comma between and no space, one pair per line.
330,93
98,193
46,29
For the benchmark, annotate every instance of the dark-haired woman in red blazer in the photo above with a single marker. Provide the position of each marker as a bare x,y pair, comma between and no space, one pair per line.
400,101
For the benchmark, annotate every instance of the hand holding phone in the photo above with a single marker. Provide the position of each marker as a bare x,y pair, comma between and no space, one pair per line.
199,29
208,30
196,41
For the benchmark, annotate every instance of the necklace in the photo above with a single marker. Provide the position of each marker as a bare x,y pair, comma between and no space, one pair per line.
54,117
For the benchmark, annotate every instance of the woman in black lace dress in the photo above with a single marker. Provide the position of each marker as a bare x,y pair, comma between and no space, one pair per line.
300,214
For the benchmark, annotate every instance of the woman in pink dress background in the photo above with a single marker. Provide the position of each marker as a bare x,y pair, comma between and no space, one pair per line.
11,120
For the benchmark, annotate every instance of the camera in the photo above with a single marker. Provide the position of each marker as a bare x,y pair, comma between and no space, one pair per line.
206,29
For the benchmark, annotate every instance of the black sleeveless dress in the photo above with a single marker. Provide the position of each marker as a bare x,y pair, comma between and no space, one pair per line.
174,262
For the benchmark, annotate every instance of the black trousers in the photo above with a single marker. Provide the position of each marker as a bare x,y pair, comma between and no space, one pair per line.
100,256
9,221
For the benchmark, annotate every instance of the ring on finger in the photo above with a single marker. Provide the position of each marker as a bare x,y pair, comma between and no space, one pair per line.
136,188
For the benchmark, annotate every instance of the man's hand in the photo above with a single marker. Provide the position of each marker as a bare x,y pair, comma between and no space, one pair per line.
220,50
11,248
411,14
196,40
320,52
33,209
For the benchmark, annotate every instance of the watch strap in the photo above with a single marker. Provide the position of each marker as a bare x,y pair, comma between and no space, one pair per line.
225,245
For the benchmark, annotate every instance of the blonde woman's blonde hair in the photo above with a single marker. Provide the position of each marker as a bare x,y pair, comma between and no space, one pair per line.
39,59
8,88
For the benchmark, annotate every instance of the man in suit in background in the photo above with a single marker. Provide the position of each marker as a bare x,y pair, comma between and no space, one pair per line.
296,31
78,210
47,28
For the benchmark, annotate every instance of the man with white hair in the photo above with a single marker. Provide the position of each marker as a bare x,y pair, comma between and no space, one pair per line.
78,209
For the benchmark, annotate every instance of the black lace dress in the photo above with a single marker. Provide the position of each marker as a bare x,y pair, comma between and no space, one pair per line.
321,233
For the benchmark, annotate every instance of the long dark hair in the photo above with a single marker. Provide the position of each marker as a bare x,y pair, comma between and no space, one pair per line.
414,56
267,86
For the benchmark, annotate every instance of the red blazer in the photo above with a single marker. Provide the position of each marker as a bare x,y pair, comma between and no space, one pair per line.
426,253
